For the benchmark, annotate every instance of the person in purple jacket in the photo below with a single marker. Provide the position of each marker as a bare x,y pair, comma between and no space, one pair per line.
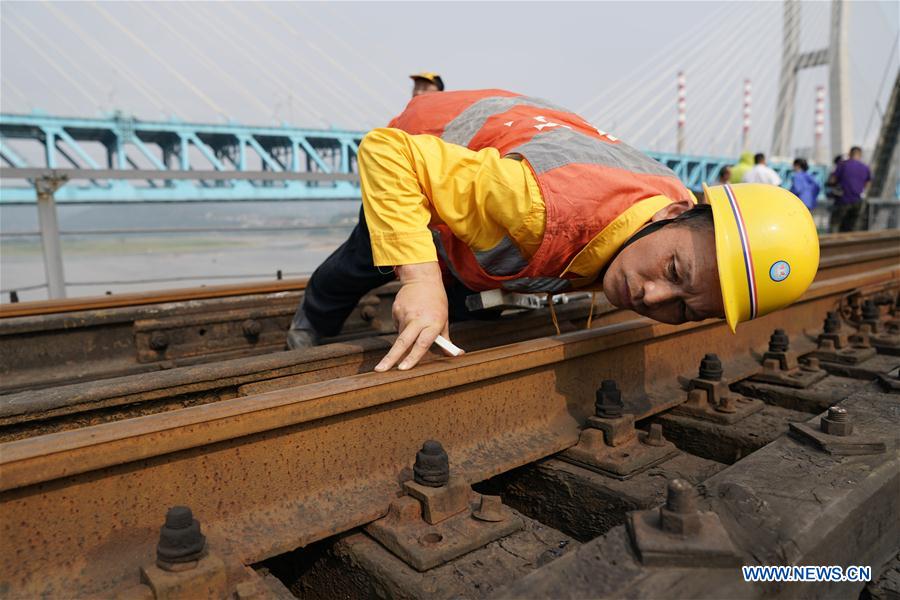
852,176
803,185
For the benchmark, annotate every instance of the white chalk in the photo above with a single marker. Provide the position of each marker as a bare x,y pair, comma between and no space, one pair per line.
448,346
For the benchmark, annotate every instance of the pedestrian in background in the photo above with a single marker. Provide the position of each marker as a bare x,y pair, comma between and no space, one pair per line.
426,82
725,175
852,176
761,172
741,168
804,185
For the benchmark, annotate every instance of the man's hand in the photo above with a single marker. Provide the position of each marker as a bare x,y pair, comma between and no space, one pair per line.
420,313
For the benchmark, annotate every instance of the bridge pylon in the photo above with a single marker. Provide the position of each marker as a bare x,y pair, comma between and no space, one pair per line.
793,61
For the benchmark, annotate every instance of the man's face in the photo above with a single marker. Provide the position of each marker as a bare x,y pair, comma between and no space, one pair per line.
669,275
423,86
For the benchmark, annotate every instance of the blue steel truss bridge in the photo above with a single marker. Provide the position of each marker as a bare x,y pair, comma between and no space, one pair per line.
128,144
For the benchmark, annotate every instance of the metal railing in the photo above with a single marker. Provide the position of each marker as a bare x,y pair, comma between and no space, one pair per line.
47,181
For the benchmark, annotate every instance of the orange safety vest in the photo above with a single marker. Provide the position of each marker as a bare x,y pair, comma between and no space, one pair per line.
587,178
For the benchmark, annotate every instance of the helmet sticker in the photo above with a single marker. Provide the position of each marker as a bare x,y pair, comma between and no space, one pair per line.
779,270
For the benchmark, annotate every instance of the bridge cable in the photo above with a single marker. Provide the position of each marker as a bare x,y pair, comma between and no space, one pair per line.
201,55
264,69
49,60
119,67
152,53
82,73
650,67
372,93
659,94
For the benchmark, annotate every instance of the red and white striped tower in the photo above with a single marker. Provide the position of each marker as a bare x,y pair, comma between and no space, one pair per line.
745,123
682,110
820,124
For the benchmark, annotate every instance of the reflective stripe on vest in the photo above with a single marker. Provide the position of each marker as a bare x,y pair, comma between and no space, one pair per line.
586,177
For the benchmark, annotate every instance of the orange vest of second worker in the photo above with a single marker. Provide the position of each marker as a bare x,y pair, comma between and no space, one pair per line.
596,191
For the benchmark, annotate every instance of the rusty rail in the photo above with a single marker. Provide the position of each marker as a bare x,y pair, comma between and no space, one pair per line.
830,244
32,412
56,349
278,470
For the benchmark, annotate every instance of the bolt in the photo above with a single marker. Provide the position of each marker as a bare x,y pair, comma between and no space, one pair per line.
837,422
432,467
655,435
779,341
827,345
711,368
680,515
832,323
870,311
681,497
608,404
367,313
159,340
180,539
726,405
490,508
838,414
811,364
252,328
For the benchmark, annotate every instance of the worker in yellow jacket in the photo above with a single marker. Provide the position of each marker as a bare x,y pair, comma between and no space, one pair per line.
477,190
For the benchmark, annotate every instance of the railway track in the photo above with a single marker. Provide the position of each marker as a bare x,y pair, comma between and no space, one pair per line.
48,344
323,450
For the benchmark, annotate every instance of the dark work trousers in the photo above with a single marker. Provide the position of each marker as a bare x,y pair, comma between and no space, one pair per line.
844,217
347,275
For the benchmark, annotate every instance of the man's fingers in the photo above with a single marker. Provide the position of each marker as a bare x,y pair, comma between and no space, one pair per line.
401,345
423,343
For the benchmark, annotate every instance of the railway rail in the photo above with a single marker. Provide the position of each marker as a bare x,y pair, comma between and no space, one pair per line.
307,457
48,344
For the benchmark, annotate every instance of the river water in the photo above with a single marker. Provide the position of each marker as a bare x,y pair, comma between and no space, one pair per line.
119,263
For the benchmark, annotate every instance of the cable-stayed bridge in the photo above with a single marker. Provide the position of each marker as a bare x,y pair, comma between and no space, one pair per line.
746,76
771,77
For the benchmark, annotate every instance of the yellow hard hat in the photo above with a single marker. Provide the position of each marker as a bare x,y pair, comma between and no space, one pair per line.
767,248
430,76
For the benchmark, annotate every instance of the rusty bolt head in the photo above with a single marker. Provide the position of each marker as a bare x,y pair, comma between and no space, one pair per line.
726,404
180,539
711,368
368,312
655,435
608,404
681,497
490,508
159,340
771,364
870,311
432,467
811,364
252,328
779,341
680,514
832,323
837,422
826,345
859,340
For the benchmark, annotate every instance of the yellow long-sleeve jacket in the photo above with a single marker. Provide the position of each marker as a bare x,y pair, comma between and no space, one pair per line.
411,181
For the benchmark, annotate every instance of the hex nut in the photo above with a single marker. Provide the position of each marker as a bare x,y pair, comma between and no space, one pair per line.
252,328
159,341
679,523
832,427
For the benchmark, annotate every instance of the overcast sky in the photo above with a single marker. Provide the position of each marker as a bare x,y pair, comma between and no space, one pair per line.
345,64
